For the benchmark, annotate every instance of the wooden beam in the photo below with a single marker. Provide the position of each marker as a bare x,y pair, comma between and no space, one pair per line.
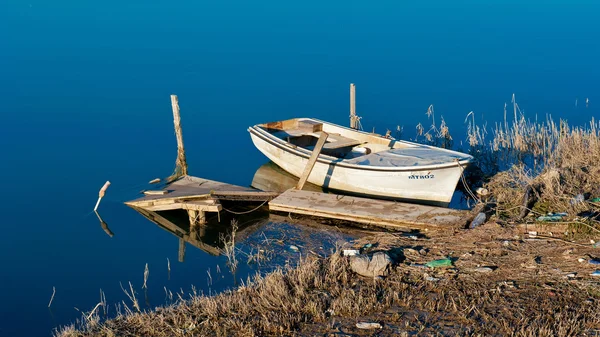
312,160
181,162
353,118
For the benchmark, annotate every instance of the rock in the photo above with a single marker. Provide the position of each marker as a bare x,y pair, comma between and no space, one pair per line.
479,220
377,265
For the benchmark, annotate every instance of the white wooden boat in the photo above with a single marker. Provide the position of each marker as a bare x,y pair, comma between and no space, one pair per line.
362,163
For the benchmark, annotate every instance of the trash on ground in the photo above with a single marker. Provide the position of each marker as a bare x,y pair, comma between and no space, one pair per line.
571,275
430,278
484,269
351,252
439,263
579,198
377,265
294,248
594,261
596,273
368,325
479,220
595,200
552,217
581,260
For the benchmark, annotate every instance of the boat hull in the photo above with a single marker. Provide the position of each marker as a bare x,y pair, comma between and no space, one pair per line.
429,185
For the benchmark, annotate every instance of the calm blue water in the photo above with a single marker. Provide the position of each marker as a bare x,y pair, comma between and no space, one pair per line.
84,98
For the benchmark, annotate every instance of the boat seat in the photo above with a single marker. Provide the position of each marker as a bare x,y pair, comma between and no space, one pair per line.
335,141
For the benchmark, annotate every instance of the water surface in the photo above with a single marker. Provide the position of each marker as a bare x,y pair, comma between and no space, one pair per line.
85,98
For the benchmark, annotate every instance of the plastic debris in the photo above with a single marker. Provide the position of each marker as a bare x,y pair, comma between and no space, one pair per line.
377,265
430,278
571,275
439,263
484,269
479,220
419,265
579,198
596,273
581,260
505,243
552,217
368,325
367,246
351,252
595,200
294,248
594,261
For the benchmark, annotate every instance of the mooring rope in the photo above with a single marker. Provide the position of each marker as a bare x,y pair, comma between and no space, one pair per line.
464,182
245,212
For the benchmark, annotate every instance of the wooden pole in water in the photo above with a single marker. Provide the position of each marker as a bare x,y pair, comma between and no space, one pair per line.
312,160
353,119
101,194
181,163
181,254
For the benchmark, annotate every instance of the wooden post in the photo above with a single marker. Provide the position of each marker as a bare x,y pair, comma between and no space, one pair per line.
312,160
181,255
353,118
181,163
101,194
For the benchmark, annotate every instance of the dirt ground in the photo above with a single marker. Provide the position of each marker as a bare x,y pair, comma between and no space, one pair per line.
528,278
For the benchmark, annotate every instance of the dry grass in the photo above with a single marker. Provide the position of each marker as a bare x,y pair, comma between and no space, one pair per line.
558,160
311,297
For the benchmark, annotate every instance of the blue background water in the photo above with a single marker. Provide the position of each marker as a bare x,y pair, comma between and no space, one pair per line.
84,98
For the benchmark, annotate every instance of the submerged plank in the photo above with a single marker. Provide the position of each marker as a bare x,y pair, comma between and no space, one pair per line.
366,211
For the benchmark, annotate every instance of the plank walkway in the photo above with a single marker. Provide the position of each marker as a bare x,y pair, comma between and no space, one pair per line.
197,194
381,213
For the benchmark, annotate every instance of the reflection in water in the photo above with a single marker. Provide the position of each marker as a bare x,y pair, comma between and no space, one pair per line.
104,225
204,237
272,178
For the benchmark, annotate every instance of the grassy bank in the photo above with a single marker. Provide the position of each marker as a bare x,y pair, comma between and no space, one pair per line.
523,296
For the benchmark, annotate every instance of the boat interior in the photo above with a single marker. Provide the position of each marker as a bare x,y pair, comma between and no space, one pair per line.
341,143
360,148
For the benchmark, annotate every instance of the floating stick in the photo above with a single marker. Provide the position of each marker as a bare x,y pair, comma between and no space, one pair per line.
101,194
52,298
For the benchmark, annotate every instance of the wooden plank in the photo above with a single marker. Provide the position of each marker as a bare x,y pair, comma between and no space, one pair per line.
312,160
245,195
372,212
155,192
187,187
195,205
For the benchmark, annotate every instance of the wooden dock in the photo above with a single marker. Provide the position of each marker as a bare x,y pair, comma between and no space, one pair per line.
371,212
197,196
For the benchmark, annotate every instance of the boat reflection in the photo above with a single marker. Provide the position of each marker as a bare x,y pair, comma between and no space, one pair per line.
204,237
272,178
